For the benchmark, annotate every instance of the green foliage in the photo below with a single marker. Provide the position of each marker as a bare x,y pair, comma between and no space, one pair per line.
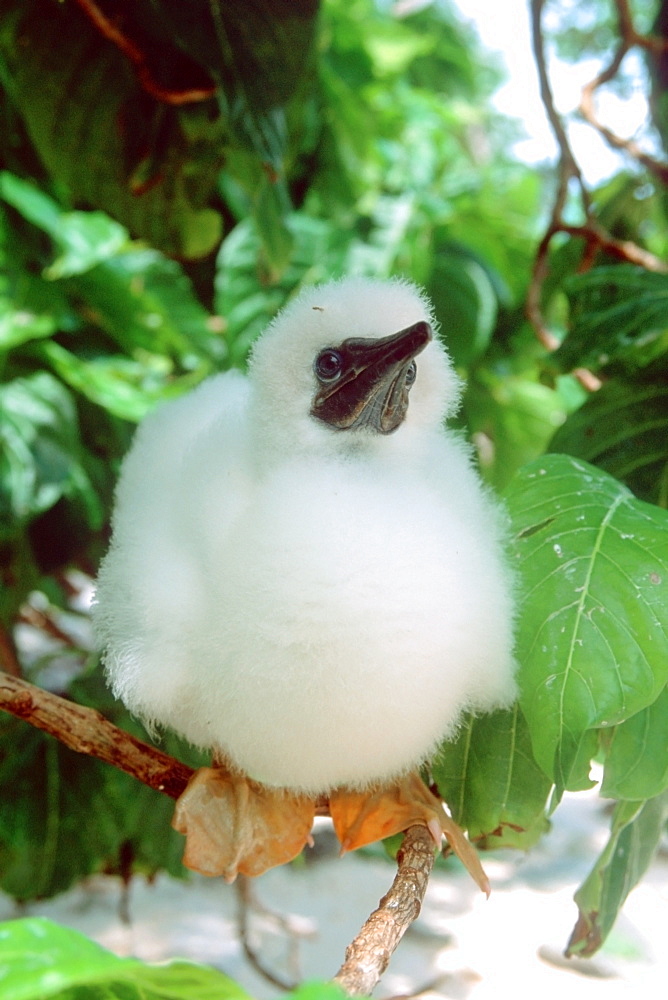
492,783
592,648
72,815
42,961
618,315
368,149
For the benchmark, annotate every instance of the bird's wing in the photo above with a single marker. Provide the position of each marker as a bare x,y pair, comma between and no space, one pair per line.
181,484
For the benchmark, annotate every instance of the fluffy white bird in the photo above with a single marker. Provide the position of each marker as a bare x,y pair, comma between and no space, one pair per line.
306,574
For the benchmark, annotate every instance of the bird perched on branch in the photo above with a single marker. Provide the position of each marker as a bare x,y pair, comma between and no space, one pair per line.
306,576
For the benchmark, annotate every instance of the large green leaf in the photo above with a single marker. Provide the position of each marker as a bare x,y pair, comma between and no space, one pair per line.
175,89
636,760
617,313
592,643
623,428
491,782
18,327
42,961
257,53
637,829
72,815
59,827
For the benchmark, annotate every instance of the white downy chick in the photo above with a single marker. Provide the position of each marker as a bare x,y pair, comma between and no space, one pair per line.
306,573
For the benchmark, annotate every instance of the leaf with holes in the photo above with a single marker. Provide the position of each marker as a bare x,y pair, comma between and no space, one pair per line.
636,831
592,643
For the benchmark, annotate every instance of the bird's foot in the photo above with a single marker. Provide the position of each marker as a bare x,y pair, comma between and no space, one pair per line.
361,818
234,825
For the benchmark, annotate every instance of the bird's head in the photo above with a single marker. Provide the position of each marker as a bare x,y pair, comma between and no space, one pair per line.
348,363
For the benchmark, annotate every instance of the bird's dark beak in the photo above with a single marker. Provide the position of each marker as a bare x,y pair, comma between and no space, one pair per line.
375,378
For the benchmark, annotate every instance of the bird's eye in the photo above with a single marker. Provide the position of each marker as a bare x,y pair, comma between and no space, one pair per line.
411,374
328,365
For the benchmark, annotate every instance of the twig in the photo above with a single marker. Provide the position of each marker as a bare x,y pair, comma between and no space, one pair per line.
9,660
368,955
112,33
629,39
595,236
249,904
87,731
38,619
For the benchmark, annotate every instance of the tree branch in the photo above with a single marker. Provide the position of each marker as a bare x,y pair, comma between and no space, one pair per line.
595,236
368,955
629,39
111,31
87,731
9,660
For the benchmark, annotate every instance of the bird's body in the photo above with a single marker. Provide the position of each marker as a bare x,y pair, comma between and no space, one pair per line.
319,603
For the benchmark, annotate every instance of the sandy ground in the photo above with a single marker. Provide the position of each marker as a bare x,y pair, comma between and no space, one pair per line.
462,946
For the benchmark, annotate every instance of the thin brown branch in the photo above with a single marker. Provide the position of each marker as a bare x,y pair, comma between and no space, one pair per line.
133,53
368,955
571,168
628,31
9,660
596,238
38,619
87,731
587,107
599,239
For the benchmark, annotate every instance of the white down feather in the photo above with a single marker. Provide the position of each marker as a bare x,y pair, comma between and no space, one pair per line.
318,604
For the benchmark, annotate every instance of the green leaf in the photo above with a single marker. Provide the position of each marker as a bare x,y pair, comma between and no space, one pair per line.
151,166
60,827
617,313
491,782
270,209
72,816
41,455
144,302
19,327
592,643
245,294
317,991
128,389
258,54
83,238
637,829
636,760
42,961
623,428
465,303
513,417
